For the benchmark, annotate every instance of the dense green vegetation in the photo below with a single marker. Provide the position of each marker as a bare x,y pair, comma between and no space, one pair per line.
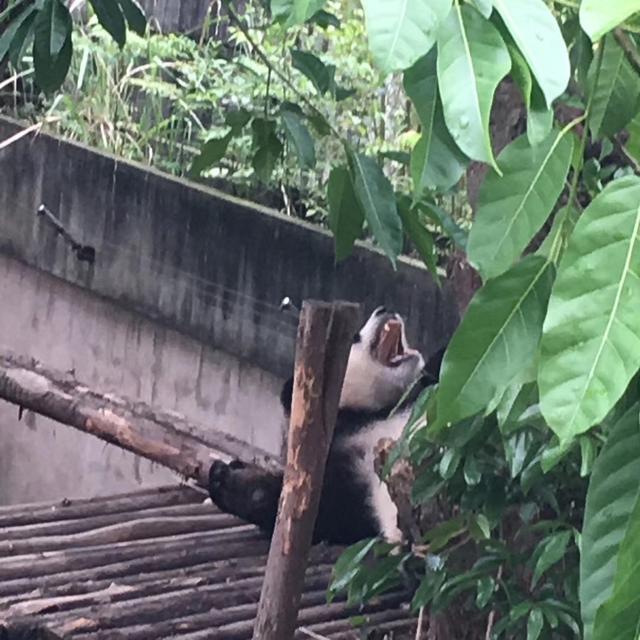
524,462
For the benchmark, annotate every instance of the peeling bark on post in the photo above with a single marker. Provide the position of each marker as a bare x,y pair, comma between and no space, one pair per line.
325,335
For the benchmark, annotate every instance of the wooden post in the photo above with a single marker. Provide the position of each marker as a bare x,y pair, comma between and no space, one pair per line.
325,335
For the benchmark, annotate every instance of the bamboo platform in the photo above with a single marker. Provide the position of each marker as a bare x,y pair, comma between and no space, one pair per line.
157,564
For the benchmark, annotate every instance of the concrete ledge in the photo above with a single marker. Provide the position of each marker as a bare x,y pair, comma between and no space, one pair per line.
209,265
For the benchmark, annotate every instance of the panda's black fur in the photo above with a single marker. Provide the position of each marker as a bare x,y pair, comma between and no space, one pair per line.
354,503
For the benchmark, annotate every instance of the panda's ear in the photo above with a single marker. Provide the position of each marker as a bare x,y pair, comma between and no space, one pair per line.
432,368
286,396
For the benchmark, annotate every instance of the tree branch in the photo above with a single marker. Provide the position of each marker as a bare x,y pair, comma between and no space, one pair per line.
165,438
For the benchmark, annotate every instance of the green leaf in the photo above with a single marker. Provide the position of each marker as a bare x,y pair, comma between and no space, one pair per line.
446,222
513,207
485,7
400,31
292,12
52,32
538,36
267,145
134,15
449,463
436,161
439,536
549,551
591,343
611,498
619,617
472,60
479,527
486,587
472,472
346,216
110,17
9,33
615,98
598,17
21,39
375,194
496,339
52,28
419,234
348,564
211,152
237,120
535,623
539,117
314,69
299,138
633,144
325,19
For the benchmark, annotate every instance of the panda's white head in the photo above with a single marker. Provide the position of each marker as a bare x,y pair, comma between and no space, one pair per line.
381,365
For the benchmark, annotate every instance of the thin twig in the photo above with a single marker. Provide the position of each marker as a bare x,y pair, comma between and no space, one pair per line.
263,56
311,634
492,614
629,48
419,627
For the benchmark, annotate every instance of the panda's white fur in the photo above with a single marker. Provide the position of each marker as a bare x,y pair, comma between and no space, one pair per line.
354,502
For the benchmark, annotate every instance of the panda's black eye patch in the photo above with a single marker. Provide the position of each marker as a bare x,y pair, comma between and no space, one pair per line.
356,338
381,310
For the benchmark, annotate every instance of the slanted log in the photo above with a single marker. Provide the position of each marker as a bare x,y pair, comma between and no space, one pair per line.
165,438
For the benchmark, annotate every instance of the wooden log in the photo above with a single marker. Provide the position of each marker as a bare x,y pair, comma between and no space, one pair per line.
165,438
89,523
325,335
22,515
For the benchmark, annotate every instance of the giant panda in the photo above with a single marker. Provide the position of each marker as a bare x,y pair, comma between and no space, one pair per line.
382,371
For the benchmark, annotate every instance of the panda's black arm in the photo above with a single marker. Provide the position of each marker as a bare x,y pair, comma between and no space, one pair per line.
286,396
246,491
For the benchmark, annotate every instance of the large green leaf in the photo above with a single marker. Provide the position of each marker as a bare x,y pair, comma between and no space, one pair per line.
320,74
436,161
346,216
619,617
591,343
299,138
52,45
613,491
616,96
400,31
597,17
538,36
418,232
211,152
376,196
472,59
52,28
10,31
539,117
134,15
512,207
110,17
267,145
498,337
295,11
633,144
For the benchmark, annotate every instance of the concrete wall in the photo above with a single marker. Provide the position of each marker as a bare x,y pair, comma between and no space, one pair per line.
179,309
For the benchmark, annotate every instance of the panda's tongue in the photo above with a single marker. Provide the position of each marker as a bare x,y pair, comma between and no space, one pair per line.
389,346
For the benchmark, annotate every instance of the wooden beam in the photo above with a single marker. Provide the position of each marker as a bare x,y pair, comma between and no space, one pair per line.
325,334
166,438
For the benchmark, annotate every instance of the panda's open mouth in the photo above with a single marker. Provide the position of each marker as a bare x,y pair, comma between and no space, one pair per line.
390,348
